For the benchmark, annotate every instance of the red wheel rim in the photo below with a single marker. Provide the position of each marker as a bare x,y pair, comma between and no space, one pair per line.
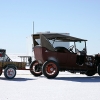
10,72
51,68
33,68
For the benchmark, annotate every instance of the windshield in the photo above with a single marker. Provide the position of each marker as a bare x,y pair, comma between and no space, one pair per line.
59,44
80,46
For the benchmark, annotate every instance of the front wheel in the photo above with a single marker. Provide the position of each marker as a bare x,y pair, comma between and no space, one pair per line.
90,73
35,68
98,69
10,72
50,69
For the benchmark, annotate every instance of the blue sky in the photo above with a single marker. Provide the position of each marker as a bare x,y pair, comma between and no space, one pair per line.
80,18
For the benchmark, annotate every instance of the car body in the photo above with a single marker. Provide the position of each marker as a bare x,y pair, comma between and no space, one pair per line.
49,60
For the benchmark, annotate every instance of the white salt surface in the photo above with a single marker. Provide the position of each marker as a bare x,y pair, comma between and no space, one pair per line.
65,87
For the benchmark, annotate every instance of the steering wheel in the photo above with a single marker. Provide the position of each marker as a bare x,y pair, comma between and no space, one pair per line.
71,48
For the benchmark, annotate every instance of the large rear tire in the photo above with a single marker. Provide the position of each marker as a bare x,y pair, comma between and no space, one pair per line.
35,68
50,69
10,72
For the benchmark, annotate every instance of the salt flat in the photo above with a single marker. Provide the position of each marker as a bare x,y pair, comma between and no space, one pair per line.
65,87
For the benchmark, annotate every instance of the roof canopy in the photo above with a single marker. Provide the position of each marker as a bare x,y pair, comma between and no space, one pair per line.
45,37
58,36
2,50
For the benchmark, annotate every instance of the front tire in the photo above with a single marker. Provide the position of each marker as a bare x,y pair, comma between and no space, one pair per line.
50,69
35,68
10,72
90,73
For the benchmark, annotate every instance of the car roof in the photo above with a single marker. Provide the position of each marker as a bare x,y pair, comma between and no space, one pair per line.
58,36
2,50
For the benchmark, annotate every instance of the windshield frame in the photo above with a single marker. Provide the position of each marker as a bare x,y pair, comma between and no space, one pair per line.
84,48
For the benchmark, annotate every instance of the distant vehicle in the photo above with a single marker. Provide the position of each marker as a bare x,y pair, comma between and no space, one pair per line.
49,60
9,66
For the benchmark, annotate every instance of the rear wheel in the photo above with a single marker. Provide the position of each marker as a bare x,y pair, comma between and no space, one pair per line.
90,73
35,68
10,72
50,69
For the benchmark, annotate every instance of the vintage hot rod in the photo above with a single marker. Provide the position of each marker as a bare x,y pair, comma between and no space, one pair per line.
49,60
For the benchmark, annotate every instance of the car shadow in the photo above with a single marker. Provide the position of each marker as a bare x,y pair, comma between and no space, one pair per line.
17,79
80,79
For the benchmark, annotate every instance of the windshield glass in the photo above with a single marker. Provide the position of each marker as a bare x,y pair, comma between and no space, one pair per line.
80,46
59,44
